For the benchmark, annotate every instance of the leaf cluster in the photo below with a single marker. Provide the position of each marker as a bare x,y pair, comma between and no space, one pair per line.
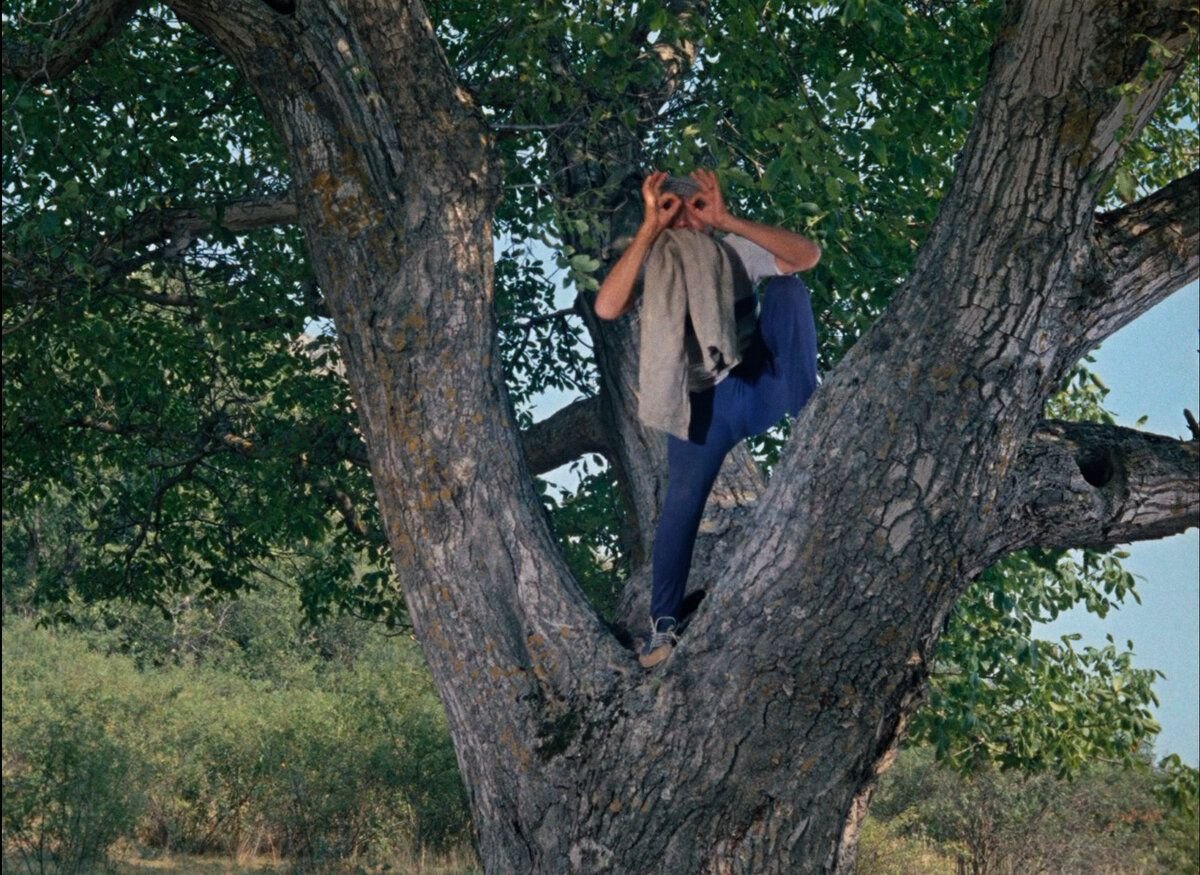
999,695
587,522
162,395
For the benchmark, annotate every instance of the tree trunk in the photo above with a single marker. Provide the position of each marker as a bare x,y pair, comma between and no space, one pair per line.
751,750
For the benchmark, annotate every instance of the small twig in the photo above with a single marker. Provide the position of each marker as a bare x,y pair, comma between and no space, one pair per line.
547,317
550,126
1193,427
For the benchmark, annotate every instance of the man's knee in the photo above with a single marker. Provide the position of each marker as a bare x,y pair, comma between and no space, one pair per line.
786,315
785,303
786,283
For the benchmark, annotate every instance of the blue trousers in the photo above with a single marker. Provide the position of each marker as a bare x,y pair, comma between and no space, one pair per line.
776,376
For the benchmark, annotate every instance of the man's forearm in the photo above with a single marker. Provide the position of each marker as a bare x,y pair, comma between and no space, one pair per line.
796,251
615,295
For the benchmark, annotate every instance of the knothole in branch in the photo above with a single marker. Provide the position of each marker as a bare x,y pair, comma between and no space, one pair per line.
1097,465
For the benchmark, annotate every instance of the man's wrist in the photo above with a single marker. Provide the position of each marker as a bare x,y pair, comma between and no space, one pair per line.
727,224
646,234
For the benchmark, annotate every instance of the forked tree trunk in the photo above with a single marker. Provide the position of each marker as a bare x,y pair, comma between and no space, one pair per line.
751,749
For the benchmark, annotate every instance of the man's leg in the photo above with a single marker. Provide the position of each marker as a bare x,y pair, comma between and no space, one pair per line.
749,401
692,467
789,332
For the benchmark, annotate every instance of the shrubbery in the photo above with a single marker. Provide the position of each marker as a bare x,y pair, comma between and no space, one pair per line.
1108,821
332,766
74,773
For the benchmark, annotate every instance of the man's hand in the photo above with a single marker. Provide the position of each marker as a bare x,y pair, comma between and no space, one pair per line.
707,204
658,208
615,295
793,252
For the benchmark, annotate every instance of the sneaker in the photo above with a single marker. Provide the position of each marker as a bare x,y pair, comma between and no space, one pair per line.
658,646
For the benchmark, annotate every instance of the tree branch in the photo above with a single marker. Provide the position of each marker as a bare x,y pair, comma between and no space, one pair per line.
565,436
1147,48
116,257
346,447
1146,251
77,33
344,505
181,227
1082,484
209,445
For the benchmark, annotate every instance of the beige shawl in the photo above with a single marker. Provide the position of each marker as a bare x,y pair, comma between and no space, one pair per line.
689,275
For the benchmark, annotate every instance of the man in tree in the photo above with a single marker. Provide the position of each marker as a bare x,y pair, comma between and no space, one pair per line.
776,370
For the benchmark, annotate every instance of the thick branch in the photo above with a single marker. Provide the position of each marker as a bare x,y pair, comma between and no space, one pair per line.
76,34
1071,84
565,436
335,497
1146,251
175,229
344,505
27,280
326,448
179,228
1091,485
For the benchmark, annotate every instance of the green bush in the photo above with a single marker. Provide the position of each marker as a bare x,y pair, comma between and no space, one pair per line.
317,766
1106,821
73,774
889,847
356,765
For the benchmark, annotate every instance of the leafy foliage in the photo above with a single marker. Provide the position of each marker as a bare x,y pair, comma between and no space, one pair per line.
842,125
160,386
587,522
1001,696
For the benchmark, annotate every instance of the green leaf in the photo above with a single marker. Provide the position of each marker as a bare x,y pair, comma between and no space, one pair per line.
585,263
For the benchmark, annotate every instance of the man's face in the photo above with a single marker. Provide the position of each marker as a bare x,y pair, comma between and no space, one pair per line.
686,219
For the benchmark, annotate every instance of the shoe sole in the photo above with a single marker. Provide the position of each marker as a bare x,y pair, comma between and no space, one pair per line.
654,657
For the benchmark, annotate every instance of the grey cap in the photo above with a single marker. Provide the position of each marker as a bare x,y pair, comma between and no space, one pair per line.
684,186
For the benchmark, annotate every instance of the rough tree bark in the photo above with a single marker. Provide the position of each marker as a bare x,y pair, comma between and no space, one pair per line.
923,459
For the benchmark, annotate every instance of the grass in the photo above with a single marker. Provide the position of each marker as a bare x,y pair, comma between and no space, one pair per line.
884,850
126,858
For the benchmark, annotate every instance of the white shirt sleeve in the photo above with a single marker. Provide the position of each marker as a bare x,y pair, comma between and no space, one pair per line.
759,263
